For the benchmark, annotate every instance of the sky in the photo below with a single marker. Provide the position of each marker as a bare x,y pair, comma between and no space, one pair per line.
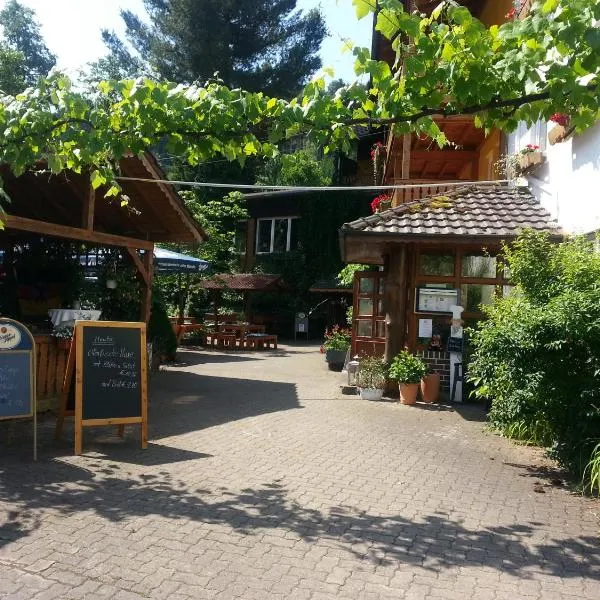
71,29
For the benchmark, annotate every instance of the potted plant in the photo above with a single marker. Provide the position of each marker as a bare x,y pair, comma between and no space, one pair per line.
381,203
371,377
430,387
336,345
64,337
561,130
408,370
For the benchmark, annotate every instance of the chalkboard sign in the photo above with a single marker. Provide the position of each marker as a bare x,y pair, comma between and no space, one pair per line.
17,384
455,344
17,374
108,365
111,369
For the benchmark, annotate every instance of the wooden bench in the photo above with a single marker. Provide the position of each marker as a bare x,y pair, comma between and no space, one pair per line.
260,342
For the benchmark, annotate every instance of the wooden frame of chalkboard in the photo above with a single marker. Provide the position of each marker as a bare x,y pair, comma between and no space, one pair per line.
107,378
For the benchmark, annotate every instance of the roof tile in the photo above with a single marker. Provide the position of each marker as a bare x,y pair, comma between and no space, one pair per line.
490,211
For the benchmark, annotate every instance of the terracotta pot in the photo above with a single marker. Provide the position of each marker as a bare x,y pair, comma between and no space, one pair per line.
430,387
408,393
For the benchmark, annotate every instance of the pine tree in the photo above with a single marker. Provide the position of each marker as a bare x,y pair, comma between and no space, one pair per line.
259,45
24,57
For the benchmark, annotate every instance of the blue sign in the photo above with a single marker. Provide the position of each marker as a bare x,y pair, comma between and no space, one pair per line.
17,388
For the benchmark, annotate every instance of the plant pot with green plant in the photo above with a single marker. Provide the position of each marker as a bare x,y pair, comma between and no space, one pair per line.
64,337
371,377
336,345
408,370
430,387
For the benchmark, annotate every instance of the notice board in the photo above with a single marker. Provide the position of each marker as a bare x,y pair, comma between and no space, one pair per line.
106,377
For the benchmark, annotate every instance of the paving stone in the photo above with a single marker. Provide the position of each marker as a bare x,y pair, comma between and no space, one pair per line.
262,481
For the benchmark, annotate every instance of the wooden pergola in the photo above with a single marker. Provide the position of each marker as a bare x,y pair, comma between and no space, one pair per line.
66,206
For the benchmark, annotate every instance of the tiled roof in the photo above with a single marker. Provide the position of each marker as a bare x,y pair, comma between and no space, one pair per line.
242,282
477,211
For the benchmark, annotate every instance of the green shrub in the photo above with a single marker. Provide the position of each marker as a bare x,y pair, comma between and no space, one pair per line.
537,356
407,368
337,339
372,373
160,331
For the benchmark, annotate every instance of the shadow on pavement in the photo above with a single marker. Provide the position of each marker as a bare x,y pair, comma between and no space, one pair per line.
433,541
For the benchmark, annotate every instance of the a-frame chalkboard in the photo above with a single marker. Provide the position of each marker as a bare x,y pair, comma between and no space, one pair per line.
107,378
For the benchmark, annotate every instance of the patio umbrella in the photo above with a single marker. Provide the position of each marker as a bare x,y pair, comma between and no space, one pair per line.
167,261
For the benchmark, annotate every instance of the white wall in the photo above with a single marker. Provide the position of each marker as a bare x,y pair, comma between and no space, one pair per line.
568,183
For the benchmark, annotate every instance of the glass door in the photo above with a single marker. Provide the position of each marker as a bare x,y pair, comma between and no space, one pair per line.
368,316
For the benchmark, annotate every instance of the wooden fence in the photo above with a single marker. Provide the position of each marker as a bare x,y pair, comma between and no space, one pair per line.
51,367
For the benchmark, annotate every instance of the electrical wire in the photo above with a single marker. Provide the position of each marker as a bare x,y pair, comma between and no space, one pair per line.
332,188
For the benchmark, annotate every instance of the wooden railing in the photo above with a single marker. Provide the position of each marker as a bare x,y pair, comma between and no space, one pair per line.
404,195
51,367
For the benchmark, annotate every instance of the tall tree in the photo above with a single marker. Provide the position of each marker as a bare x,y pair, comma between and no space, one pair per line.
24,57
259,45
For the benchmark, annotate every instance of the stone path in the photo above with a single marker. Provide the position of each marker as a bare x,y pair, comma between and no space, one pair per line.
261,481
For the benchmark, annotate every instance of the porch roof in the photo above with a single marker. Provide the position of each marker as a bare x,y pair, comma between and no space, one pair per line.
243,282
472,213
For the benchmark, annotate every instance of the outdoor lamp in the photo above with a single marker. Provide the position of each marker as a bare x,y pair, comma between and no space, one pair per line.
353,367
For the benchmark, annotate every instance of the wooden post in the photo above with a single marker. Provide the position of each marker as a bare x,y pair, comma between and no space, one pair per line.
147,292
395,301
88,210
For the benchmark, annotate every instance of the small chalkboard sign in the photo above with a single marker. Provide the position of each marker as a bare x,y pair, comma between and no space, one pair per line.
455,344
17,374
108,363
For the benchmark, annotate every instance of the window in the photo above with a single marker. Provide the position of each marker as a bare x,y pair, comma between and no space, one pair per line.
241,231
279,234
436,263
478,266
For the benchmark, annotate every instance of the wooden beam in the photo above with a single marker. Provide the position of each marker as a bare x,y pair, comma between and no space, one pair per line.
406,155
74,233
137,261
148,266
464,155
89,207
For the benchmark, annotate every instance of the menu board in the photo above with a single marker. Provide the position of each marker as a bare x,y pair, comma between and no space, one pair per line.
111,372
16,384
106,381
435,300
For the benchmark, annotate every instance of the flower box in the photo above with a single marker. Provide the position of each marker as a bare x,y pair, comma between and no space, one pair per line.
529,160
557,134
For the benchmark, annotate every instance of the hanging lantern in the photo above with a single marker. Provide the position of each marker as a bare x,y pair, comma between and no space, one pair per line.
353,367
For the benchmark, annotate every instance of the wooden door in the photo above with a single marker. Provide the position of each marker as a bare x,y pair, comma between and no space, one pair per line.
368,316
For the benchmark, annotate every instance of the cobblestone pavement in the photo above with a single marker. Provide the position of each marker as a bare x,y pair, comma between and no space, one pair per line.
261,481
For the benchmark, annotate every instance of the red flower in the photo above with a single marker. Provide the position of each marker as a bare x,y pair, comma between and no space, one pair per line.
377,201
511,14
560,119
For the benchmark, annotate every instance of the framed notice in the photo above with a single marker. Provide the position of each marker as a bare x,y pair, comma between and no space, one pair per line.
435,300
107,378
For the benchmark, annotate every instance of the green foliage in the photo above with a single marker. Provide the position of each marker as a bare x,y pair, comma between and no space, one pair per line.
407,368
455,65
372,373
219,218
254,44
160,332
537,356
337,338
591,473
346,275
297,169
24,57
